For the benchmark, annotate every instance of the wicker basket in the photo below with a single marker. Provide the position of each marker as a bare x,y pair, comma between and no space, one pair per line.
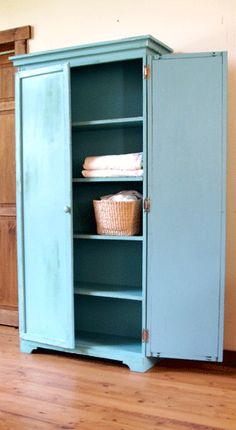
118,218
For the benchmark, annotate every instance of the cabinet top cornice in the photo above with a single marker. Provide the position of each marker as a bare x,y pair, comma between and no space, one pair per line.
137,44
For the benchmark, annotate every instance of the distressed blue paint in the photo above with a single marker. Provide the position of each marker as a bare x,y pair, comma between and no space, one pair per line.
44,175
185,223
223,218
177,291
112,348
133,47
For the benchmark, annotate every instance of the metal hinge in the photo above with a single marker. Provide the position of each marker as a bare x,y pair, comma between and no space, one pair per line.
145,335
146,204
147,72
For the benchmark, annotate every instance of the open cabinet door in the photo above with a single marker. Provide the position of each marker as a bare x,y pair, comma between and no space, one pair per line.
43,206
186,223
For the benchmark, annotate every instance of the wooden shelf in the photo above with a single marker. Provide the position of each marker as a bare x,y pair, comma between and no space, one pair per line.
97,343
108,123
111,179
112,291
103,237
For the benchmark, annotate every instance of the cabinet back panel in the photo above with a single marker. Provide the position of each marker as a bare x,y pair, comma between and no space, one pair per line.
83,196
108,316
108,262
110,90
104,142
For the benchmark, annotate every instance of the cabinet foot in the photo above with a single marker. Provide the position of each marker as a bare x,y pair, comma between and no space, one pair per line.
26,347
141,364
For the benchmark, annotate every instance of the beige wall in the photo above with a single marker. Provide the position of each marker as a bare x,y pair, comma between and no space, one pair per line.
185,25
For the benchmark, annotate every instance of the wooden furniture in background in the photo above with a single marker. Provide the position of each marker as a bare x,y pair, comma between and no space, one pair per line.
13,41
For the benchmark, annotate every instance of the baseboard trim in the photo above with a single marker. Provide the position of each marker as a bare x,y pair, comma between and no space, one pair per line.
229,358
8,317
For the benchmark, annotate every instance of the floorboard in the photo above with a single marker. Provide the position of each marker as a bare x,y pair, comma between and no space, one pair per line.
49,390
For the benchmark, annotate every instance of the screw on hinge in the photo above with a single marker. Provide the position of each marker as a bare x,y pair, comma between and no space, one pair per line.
147,72
145,335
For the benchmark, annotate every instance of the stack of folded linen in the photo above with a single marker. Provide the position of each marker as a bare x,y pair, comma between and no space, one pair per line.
113,165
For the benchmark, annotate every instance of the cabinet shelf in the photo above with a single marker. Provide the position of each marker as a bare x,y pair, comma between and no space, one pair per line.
111,179
104,237
112,291
97,343
108,123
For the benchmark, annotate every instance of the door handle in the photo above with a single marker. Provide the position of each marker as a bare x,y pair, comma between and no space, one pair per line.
67,209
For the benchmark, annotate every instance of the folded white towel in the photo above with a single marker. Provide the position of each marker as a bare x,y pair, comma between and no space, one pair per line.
107,173
122,161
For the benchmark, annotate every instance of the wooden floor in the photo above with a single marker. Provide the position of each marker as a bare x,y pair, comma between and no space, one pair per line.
57,391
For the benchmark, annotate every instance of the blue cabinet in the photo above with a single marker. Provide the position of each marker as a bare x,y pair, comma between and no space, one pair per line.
128,298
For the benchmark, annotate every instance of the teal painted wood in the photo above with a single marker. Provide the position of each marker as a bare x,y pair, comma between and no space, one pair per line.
19,208
104,237
126,292
106,325
186,226
109,123
43,192
133,47
116,263
114,179
108,317
125,350
145,195
223,218
109,91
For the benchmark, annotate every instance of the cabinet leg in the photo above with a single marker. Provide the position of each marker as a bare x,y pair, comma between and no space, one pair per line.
141,364
26,346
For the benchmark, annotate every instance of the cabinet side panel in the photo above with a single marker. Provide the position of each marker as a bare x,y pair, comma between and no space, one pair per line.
185,222
46,190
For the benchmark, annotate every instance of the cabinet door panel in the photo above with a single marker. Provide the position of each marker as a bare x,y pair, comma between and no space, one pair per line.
186,221
43,191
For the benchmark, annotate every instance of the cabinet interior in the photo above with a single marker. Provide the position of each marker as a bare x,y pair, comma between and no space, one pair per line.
104,315
83,196
114,262
107,119
118,139
107,91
